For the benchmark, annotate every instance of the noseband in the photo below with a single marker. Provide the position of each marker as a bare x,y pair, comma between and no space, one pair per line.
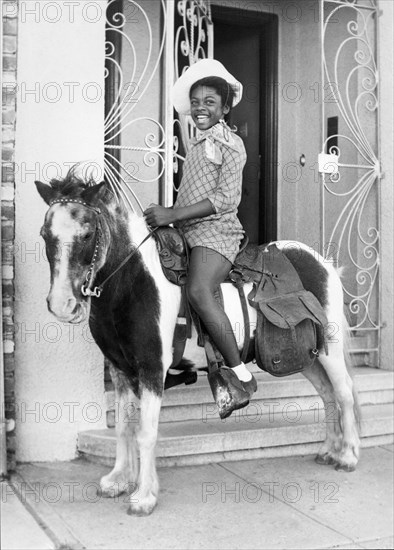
86,288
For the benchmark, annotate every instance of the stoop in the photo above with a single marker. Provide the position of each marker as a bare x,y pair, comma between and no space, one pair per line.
284,418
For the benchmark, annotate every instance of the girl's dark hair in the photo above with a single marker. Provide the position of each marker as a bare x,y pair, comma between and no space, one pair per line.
223,88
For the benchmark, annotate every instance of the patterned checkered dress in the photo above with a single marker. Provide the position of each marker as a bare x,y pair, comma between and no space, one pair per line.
219,179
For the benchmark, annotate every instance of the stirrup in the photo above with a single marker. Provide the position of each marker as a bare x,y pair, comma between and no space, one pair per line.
227,390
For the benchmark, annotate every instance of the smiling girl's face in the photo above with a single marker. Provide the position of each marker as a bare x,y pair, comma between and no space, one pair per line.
206,107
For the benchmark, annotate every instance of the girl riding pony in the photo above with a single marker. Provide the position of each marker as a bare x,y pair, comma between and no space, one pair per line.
206,212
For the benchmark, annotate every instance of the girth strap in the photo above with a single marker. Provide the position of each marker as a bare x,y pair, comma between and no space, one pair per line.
238,283
183,328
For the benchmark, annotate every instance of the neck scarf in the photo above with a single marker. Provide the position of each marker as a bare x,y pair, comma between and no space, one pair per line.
221,133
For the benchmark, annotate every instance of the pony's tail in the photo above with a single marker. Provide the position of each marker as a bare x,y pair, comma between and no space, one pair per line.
349,367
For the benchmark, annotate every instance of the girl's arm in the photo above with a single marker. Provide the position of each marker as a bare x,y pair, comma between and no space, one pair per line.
157,215
227,194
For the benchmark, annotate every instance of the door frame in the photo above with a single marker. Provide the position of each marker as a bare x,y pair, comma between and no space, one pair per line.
269,25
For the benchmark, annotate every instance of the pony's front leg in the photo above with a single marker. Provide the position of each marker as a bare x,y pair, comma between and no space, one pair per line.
144,500
123,476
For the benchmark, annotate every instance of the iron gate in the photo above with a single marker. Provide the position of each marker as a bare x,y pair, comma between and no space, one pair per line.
349,161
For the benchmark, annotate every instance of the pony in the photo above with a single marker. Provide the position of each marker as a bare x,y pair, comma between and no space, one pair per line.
92,238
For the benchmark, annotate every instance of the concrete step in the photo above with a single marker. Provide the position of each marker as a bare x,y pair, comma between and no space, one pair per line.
272,434
294,392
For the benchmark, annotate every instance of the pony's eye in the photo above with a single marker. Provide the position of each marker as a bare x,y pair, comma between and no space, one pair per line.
88,236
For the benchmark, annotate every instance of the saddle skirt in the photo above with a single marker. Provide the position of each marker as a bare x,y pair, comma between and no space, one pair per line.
290,319
174,254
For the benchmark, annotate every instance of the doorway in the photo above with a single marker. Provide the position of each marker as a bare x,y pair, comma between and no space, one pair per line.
247,45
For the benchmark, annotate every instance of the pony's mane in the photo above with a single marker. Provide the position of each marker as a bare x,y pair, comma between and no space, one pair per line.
71,185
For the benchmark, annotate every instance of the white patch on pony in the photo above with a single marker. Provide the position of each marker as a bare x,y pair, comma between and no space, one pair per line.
233,309
64,228
334,309
145,498
123,476
169,294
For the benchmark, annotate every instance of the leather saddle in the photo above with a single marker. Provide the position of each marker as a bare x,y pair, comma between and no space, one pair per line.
174,254
291,320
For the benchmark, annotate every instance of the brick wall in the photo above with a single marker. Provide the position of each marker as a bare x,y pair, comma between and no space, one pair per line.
10,27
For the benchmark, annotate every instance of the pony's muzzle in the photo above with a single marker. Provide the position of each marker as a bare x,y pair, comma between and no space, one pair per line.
64,309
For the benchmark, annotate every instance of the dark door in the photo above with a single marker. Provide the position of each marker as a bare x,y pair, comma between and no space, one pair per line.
247,47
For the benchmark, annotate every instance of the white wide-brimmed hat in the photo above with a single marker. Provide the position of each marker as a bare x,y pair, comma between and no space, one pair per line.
201,69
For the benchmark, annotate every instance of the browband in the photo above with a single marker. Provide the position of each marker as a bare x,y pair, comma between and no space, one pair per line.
77,201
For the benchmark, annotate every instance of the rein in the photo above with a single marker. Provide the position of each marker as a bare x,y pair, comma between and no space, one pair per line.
86,287
96,292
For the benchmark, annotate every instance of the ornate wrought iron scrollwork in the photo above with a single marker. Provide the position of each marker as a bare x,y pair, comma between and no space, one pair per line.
135,50
193,40
132,63
350,214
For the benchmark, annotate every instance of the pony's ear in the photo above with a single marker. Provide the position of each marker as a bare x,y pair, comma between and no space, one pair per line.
46,192
93,194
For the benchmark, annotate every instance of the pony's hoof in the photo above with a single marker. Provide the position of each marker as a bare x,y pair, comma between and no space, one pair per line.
109,493
345,467
141,509
325,459
112,489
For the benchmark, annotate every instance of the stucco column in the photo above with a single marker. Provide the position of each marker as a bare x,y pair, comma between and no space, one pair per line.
386,46
60,114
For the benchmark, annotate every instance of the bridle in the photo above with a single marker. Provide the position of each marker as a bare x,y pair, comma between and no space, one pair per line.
86,288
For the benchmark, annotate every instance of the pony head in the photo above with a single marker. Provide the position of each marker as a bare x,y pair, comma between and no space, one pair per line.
75,242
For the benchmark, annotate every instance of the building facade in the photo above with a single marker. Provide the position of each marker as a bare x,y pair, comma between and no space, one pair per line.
89,82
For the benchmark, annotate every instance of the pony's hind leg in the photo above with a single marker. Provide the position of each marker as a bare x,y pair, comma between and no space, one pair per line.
334,363
329,450
144,500
335,367
124,475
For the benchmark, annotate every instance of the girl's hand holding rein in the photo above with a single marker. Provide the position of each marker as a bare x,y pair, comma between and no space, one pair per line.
156,215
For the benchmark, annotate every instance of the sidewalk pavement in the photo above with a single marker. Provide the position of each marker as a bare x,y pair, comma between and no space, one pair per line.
18,527
276,503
